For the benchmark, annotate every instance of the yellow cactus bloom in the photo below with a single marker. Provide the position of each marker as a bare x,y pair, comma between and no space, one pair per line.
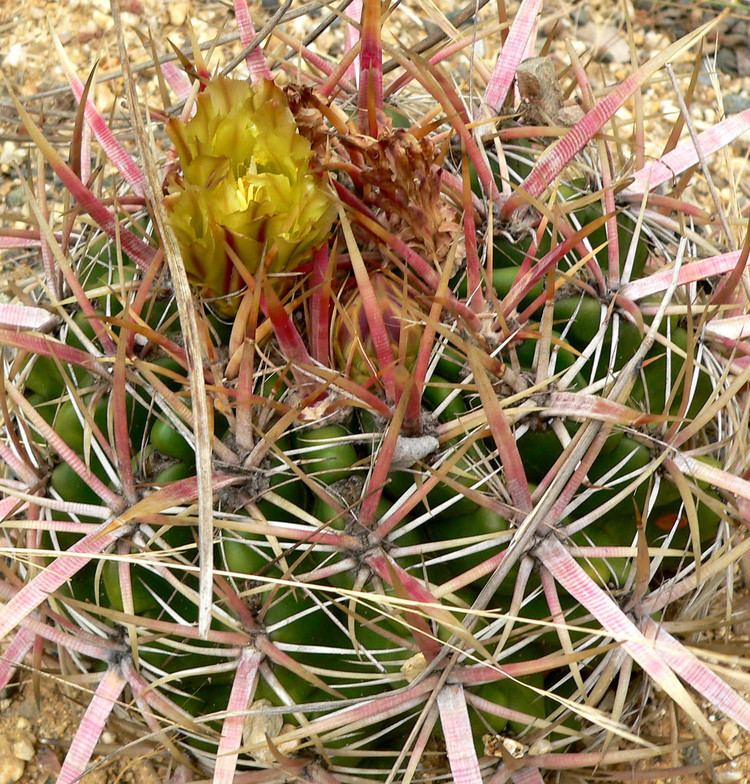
246,184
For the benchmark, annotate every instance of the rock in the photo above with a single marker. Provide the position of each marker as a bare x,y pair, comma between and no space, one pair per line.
103,20
15,198
16,56
23,749
105,98
88,33
95,777
23,740
729,731
11,768
47,762
430,27
692,755
555,27
729,776
11,154
178,12
736,748
676,19
29,708
726,60
736,103
655,41
607,43
743,61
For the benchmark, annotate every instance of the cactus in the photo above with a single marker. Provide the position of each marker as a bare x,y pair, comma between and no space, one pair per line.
414,482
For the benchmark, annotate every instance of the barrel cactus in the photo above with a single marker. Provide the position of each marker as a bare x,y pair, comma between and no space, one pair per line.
352,445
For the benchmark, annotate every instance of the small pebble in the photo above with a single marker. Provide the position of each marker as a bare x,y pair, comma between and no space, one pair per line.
729,731
726,60
178,12
728,776
108,737
16,56
23,749
11,768
15,198
430,27
736,103
105,98
736,748
669,107
102,19
743,62
692,755
655,41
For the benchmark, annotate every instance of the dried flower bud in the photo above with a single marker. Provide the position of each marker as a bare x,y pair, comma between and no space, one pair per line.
404,181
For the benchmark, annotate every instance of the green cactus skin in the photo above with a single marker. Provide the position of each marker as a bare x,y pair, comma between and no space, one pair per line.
331,463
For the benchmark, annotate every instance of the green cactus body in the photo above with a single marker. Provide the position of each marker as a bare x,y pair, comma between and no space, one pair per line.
329,462
508,254
462,472
480,522
358,647
166,438
174,473
654,388
628,457
44,378
71,487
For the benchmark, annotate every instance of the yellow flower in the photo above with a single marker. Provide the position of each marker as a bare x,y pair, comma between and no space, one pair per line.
247,185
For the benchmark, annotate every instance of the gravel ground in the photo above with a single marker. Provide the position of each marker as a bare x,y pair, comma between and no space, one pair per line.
33,734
